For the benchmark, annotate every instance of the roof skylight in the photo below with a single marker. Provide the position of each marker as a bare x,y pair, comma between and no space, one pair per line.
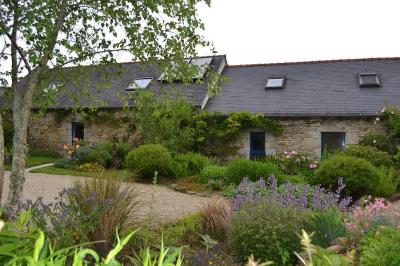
276,83
366,80
139,83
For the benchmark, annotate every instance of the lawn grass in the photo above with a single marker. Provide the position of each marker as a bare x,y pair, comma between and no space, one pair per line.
34,160
122,175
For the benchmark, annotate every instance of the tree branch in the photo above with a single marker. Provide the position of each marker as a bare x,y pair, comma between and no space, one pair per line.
20,52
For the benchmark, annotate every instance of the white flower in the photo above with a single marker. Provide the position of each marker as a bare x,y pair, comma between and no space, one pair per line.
383,110
377,119
1,224
374,141
392,112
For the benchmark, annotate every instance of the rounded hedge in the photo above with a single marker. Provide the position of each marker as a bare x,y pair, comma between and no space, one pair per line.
360,176
268,232
145,160
371,154
240,168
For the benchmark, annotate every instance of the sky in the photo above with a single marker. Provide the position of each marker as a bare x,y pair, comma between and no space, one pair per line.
269,31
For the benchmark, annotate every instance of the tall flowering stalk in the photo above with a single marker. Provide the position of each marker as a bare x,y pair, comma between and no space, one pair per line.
303,196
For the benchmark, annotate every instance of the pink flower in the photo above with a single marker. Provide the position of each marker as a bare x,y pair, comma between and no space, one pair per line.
313,166
65,146
75,139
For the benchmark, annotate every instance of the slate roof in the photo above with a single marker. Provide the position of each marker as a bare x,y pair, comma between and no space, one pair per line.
107,84
321,88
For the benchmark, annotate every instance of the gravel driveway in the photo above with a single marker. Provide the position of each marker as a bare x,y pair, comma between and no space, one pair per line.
168,204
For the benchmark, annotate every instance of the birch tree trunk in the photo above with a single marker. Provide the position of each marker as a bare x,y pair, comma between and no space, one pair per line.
1,157
22,103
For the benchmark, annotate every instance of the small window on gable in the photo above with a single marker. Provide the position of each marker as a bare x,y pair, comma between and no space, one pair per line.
276,83
366,80
139,83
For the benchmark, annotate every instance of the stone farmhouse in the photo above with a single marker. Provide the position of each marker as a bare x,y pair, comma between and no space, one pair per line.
323,105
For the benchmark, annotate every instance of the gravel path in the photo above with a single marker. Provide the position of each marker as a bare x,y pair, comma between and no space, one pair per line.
169,205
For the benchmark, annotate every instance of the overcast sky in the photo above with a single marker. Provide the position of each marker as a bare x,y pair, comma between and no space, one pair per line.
260,31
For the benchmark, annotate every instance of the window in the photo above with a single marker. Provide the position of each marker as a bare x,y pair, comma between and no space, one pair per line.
257,145
366,80
332,141
78,131
276,83
139,83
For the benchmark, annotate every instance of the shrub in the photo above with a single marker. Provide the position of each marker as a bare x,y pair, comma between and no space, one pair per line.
213,172
109,154
215,219
360,176
145,160
388,182
267,231
90,167
371,154
66,164
381,248
240,168
378,140
90,211
327,226
189,164
296,163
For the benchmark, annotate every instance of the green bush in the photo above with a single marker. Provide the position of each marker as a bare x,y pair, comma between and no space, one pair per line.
371,154
213,172
388,182
189,164
145,160
240,168
327,226
381,248
109,154
269,232
66,164
378,140
360,176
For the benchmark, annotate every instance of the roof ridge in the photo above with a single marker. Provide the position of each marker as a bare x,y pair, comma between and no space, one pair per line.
317,61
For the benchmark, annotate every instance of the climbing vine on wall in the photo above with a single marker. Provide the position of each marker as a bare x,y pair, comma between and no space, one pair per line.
217,133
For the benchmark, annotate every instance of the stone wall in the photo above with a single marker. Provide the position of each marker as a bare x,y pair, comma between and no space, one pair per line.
53,129
304,134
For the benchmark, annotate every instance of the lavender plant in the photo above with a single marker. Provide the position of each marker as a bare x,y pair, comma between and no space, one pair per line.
302,196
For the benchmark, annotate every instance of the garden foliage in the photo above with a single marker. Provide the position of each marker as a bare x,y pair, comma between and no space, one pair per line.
189,164
267,231
90,211
254,170
381,248
327,226
373,155
213,172
147,159
360,176
171,121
